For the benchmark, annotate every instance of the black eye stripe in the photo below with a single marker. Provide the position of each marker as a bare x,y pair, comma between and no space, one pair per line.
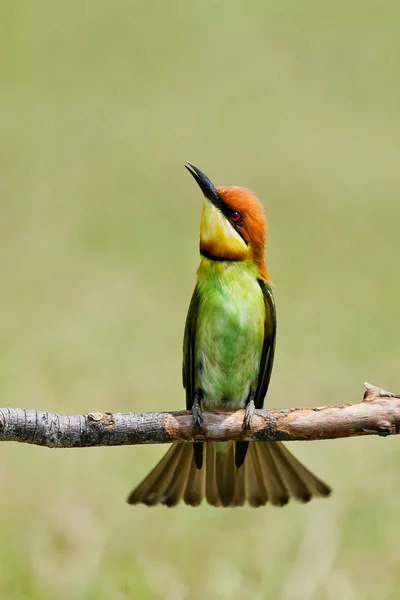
227,212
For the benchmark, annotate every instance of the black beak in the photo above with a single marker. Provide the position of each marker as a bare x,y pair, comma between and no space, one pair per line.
207,187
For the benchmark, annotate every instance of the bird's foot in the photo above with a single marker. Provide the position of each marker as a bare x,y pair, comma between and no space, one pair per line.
248,415
197,412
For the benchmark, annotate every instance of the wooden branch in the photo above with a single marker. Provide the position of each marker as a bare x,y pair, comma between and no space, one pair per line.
378,413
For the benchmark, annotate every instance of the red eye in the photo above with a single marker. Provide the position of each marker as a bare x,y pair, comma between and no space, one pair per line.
236,217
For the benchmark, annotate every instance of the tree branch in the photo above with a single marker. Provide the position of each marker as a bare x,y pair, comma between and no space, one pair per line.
378,413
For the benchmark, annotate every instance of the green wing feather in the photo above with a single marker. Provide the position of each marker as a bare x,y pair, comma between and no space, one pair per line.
268,351
188,366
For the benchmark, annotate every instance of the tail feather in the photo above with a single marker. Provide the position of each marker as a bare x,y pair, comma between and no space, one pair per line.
212,491
240,489
270,473
276,489
178,483
194,492
151,490
256,491
302,484
226,475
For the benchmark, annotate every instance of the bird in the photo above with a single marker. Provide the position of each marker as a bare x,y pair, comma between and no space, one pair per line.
228,354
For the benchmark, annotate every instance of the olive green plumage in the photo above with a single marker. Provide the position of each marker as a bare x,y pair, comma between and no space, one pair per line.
227,327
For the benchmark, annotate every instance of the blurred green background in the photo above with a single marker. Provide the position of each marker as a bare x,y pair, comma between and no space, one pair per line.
100,105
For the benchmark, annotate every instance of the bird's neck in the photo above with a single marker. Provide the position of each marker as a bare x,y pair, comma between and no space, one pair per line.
216,264
223,269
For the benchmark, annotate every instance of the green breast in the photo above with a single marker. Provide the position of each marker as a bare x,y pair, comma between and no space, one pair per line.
229,333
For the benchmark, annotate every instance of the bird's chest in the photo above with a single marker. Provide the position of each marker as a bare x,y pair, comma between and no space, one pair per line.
229,339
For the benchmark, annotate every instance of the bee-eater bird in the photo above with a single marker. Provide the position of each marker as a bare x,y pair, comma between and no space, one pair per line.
228,351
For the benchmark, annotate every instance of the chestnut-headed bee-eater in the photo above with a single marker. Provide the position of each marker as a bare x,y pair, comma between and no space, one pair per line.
228,351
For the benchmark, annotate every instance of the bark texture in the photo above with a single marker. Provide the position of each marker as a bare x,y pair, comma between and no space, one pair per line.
378,413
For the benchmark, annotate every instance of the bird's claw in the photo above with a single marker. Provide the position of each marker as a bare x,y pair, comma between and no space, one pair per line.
197,414
248,415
